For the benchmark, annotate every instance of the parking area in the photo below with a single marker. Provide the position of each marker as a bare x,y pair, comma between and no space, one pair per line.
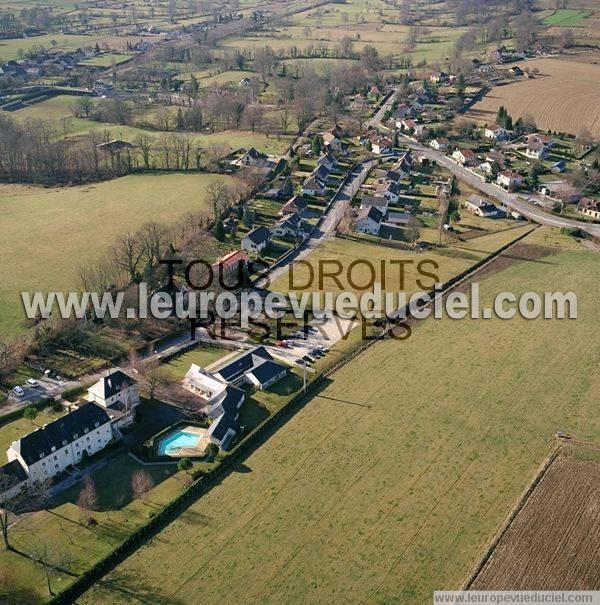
321,335
32,391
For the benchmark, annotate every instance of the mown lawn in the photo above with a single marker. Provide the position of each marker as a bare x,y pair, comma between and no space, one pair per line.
46,234
203,355
389,483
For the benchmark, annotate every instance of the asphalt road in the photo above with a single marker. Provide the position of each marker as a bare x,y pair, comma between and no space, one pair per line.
331,218
512,201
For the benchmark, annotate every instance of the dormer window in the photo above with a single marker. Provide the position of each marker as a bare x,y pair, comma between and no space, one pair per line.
97,424
64,442
86,430
75,436
41,455
53,448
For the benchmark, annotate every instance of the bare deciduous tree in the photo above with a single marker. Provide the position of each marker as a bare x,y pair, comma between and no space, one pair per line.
141,484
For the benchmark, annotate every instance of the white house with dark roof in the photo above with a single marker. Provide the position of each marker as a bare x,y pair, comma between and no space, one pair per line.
254,367
62,443
118,393
389,190
253,158
289,226
369,220
223,402
313,185
381,203
256,240
480,206
328,161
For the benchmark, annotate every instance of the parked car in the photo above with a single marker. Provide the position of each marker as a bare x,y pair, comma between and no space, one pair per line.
32,382
309,359
301,362
18,391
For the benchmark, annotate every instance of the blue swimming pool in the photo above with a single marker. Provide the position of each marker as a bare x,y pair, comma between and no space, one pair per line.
170,444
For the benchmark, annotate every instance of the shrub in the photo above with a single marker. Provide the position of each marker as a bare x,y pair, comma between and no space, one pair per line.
30,413
185,464
211,451
573,232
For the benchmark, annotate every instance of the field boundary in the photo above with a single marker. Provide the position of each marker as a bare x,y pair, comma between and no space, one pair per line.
206,481
511,516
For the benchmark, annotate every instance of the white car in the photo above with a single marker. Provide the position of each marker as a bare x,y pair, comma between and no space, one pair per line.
18,391
31,382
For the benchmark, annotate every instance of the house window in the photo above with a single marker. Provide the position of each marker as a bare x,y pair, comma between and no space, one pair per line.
55,457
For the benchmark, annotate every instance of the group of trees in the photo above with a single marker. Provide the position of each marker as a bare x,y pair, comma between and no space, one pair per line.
39,151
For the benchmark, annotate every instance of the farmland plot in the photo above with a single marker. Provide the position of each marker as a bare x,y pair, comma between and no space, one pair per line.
562,97
552,544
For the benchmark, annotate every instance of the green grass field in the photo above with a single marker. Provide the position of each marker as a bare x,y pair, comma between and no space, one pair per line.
46,234
389,483
450,261
565,17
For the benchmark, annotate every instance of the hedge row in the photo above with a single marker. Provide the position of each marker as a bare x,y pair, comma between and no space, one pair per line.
18,413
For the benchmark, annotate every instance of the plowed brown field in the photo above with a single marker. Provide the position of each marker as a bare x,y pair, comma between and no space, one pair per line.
554,541
562,97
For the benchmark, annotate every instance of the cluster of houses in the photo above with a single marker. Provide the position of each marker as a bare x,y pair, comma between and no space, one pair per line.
374,209
65,442
290,225
110,408
321,177
46,63
222,393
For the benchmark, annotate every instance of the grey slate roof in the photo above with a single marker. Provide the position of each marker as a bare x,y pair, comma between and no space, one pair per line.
371,212
267,371
11,474
244,364
374,200
62,431
259,235
114,383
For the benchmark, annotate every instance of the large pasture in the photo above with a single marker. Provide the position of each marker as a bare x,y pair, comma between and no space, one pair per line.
46,234
390,481
563,96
